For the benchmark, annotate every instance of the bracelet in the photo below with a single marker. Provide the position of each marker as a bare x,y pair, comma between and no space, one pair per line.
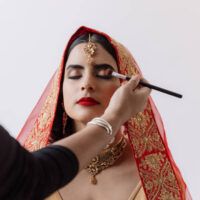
103,123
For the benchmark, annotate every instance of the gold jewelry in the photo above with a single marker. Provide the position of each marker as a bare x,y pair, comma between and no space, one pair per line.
106,159
90,49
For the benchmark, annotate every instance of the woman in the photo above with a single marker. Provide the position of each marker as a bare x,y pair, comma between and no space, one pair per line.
138,160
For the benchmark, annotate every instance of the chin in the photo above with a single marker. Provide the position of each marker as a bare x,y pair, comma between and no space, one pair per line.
85,114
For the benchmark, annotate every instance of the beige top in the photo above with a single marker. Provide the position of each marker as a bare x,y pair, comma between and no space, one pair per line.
137,194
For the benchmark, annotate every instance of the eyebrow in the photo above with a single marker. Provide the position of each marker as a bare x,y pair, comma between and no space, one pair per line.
75,67
104,66
96,67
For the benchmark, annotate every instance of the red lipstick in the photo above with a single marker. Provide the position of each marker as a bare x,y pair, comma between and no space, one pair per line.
87,101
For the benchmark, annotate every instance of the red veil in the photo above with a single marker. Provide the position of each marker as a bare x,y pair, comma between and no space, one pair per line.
160,177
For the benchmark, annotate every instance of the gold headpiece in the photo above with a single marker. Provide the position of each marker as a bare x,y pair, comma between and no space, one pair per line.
90,49
106,159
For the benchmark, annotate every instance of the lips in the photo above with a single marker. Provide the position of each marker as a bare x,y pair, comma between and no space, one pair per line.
87,101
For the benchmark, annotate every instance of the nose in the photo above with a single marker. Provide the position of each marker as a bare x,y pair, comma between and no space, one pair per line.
88,83
87,87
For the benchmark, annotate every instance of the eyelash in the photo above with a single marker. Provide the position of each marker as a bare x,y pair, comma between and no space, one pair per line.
98,76
74,77
104,77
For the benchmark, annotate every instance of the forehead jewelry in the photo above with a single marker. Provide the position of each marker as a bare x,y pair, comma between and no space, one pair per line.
90,49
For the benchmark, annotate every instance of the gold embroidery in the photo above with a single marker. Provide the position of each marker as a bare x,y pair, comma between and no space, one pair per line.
126,61
144,134
41,130
141,120
158,177
146,139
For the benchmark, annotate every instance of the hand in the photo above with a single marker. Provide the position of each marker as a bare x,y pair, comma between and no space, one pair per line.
129,99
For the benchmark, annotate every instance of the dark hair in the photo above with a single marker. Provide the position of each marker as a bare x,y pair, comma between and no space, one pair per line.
94,38
57,129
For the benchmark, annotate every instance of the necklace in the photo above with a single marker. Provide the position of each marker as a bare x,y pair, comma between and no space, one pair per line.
106,159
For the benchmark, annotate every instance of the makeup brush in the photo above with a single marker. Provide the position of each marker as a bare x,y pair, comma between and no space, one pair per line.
115,74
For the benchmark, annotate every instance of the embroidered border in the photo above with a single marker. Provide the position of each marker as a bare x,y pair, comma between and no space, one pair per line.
41,130
155,169
158,177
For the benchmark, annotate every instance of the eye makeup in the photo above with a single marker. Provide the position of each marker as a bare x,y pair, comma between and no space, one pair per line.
73,73
99,71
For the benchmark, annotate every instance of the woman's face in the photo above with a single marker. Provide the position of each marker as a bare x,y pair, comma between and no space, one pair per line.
86,89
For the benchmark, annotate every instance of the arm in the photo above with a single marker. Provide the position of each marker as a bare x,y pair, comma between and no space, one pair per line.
34,176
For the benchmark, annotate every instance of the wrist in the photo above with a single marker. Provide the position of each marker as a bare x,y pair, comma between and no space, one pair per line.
114,120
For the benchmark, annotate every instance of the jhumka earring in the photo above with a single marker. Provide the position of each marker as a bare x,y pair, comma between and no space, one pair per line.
90,49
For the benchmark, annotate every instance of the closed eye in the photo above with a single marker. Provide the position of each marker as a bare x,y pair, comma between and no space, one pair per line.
102,72
74,77
104,76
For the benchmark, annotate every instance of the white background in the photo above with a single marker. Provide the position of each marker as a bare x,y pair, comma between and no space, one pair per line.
163,36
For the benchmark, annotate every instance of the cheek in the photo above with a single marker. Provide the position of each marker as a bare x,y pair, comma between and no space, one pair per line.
69,88
68,94
108,92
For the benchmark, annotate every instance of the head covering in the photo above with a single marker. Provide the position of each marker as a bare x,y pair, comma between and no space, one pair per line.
160,177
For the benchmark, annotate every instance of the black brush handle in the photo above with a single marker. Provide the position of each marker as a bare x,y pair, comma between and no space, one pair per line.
158,89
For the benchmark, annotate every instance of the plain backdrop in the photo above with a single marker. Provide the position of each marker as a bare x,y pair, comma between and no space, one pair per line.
163,36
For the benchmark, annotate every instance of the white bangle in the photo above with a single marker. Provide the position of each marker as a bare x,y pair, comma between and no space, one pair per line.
103,123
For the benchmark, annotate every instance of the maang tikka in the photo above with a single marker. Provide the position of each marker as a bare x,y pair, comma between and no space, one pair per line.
90,49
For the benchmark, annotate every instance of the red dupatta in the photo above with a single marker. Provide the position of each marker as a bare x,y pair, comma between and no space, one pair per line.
160,177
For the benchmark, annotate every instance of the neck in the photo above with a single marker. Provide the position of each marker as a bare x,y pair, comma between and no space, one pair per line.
81,125
78,125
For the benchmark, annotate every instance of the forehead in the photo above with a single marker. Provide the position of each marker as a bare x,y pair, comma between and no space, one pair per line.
101,56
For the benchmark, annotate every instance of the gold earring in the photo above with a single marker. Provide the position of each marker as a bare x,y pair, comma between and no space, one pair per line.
90,49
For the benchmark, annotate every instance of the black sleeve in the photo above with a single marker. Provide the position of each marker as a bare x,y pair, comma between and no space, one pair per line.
25,175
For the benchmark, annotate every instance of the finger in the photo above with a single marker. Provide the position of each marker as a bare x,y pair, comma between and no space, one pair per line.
144,80
145,90
133,82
